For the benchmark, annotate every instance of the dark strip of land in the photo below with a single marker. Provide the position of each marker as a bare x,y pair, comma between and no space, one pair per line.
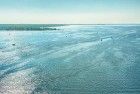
29,27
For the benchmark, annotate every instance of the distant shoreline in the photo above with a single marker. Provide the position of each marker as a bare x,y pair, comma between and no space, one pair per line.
43,27
28,27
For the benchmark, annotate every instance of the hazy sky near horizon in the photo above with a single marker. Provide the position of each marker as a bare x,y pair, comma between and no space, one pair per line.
70,11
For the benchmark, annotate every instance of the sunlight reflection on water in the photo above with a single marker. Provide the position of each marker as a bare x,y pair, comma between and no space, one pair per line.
82,59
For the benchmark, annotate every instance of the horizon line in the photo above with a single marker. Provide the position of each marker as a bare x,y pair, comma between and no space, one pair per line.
67,24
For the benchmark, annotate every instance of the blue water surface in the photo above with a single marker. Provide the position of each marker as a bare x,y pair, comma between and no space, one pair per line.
75,59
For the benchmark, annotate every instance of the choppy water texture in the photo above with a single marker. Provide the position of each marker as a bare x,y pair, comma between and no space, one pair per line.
75,59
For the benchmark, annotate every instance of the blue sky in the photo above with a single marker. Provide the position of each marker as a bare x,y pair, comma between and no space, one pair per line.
70,11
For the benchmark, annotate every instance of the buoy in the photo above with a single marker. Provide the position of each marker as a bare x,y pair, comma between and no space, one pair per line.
13,44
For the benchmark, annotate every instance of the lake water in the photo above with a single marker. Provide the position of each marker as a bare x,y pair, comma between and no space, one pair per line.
75,59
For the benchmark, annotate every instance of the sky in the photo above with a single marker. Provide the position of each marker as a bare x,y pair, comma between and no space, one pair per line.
70,11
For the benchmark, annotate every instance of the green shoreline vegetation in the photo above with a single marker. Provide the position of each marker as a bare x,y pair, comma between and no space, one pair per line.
29,27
